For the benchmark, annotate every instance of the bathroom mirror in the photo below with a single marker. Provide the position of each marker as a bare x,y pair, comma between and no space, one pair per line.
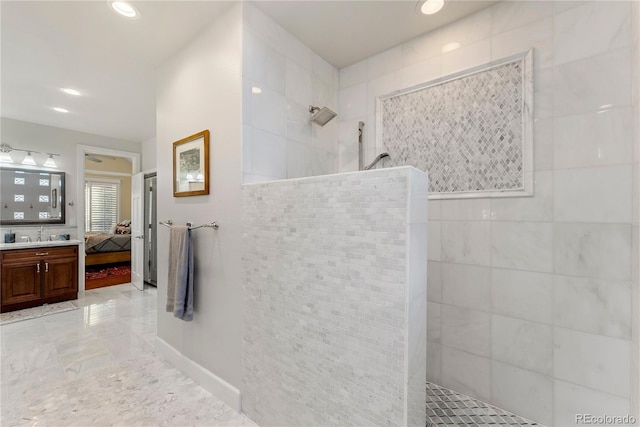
31,197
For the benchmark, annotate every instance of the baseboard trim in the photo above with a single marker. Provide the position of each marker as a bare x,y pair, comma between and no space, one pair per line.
205,378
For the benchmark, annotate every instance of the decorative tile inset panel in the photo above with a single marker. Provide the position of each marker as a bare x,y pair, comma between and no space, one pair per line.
470,131
333,274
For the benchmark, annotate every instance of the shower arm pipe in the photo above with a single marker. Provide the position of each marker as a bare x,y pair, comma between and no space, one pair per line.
360,135
376,160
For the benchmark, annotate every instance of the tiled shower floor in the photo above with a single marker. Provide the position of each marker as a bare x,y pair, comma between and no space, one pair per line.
448,408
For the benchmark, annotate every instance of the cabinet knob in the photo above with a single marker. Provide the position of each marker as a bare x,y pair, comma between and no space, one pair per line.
42,253
46,267
37,268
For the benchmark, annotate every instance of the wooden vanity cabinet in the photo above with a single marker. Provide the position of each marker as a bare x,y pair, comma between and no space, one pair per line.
32,277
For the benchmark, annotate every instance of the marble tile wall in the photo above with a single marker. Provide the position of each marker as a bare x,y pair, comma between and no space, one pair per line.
335,299
281,78
533,302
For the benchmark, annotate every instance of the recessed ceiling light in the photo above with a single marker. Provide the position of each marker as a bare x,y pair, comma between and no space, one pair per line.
429,7
70,91
125,9
450,46
61,110
256,89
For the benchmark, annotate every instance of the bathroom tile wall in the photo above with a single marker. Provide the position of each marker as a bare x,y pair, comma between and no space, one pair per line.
278,138
530,299
335,299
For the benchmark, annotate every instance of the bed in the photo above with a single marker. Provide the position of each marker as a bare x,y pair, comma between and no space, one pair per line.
105,248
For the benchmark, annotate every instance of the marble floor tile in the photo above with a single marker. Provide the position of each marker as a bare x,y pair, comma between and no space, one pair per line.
97,366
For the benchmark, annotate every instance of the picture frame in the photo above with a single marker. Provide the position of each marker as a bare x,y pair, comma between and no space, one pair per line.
191,165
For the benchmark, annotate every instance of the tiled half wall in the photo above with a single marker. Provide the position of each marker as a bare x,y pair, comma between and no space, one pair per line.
335,299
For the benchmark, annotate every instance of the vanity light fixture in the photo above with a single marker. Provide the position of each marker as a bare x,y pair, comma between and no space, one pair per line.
125,9
429,7
61,110
28,159
50,163
5,157
70,91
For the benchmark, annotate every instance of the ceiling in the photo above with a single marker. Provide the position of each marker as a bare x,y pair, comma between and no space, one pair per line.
48,45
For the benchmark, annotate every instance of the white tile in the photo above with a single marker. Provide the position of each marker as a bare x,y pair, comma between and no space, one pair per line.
466,242
434,281
522,245
353,102
380,86
586,85
434,362
353,74
269,154
537,36
466,209
543,81
594,361
592,305
466,286
570,400
536,208
297,51
466,373
247,143
324,95
466,57
298,123
593,194
322,69
268,112
435,209
421,48
528,345
265,66
508,15
300,158
384,63
522,294
593,250
434,245
543,145
593,139
246,101
434,321
591,29
421,72
261,26
298,83
469,30
522,392
466,329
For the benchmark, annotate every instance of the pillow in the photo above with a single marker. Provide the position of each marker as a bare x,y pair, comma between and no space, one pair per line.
112,230
123,230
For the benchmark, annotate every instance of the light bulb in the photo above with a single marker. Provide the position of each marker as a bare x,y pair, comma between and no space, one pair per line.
28,159
5,157
50,163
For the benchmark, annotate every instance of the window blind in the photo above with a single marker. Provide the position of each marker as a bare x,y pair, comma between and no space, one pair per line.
101,205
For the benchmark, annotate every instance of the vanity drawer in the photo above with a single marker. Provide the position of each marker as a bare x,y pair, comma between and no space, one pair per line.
48,252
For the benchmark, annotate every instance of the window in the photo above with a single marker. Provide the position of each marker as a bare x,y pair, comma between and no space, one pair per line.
101,200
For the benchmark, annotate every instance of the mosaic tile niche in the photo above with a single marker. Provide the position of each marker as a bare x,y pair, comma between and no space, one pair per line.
335,299
471,131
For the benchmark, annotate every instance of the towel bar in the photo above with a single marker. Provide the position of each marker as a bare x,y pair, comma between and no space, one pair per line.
169,223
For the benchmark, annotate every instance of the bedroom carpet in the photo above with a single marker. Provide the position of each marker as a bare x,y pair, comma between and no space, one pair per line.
107,276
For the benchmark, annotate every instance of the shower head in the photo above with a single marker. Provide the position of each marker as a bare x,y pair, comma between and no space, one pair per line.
321,116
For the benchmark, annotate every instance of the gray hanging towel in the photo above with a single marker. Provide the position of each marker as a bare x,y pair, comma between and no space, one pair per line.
180,286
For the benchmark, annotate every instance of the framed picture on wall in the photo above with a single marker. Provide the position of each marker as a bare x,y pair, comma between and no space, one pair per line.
191,165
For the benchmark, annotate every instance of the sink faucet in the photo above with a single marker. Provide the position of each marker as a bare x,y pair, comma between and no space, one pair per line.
40,233
27,238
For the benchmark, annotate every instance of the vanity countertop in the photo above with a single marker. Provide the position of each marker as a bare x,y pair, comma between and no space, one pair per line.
45,244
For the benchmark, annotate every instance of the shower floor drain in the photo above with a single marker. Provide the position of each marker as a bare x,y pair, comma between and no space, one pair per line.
447,408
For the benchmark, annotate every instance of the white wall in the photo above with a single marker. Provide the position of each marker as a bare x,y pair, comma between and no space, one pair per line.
43,138
530,298
279,140
149,154
636,210
201,88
